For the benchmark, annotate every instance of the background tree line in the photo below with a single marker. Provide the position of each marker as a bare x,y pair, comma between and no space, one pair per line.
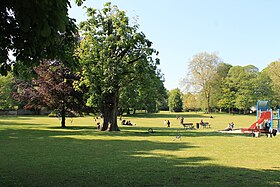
213,85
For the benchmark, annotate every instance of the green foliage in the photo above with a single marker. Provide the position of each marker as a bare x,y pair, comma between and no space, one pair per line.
230,87
32,30
243,87
217,83
245,97
147,93
6,89
175,101
190,102
113,56
272,71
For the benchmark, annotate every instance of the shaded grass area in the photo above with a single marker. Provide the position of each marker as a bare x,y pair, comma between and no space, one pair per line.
36,152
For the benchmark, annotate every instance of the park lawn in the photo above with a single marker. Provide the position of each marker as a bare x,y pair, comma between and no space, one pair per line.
35,151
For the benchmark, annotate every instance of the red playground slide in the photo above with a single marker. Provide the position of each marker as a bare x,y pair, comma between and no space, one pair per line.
264,115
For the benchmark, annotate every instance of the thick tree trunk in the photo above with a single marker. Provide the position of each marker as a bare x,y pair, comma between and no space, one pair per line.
63,116
109,112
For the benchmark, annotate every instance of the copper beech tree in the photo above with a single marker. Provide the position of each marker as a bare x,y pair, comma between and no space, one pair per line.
53,88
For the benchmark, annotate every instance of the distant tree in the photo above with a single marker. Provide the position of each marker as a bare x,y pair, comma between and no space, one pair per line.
113,55
227,100
6,90
162,99
146,93
175,101
32,30
272,71
53,88
243,87
202,70
190,101
264,87
129,99
230,87
217,83
247,88
155,93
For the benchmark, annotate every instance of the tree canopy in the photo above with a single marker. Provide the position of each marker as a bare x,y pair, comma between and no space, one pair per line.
273,70
202,70
6,88
113,55
32,30
147,93
53,88
175,100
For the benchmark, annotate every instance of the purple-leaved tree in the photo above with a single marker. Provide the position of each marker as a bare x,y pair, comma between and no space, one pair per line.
53,88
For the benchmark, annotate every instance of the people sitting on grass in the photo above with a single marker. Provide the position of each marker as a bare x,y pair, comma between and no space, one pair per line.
128,123
202,123
230,127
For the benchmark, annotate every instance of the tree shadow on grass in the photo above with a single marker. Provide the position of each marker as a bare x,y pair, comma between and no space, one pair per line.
55,158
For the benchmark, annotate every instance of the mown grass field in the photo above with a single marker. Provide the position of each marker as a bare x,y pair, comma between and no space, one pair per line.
35,151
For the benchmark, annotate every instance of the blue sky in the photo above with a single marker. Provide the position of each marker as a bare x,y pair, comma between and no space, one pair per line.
242,32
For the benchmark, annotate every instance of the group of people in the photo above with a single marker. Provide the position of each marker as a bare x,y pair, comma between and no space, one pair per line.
230,127
124,122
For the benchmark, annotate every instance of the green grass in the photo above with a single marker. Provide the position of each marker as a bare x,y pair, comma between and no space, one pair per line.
35,151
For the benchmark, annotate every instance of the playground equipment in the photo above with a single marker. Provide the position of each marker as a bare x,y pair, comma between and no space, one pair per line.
265,118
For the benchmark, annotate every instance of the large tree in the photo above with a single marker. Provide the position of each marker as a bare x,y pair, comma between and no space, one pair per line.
113,54
31,30
53,88
201,73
